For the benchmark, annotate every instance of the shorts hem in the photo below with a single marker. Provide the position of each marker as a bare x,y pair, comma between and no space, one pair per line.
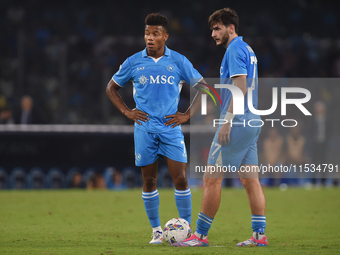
146,164
182,161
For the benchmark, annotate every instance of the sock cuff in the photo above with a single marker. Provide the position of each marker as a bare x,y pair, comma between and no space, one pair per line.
258,218
205,218
258,223
150,195
181,194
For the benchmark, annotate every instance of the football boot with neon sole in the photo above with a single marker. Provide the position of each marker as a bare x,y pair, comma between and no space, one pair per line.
254,242
192,241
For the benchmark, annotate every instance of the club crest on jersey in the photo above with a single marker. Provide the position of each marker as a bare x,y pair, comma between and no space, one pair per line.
138,157
170,68
143,80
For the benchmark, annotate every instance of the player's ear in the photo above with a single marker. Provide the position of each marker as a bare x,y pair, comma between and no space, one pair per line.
231,28
166,36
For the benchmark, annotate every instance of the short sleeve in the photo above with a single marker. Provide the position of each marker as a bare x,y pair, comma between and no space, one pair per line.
124,74
237,62
189,73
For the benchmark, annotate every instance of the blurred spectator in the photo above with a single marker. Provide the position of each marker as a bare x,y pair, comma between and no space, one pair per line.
77,181
295,146
114,179
6,116
273,153
28,114
118,181
320,131
295,153
273,147
96,181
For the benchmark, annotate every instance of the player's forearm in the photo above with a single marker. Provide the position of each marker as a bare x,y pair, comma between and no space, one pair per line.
196,102
195,105
231,106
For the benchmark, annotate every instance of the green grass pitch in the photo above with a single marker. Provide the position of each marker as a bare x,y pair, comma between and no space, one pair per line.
109,222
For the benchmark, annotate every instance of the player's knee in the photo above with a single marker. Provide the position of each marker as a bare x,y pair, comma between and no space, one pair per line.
150,182
246,182
181,182
209,181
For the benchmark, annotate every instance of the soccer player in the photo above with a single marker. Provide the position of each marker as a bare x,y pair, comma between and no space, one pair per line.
234,145
157,74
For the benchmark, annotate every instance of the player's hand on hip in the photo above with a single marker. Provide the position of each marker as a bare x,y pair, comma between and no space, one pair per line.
176,119
137,115
224,134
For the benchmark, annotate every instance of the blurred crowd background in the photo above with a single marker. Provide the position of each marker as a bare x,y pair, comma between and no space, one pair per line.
56,59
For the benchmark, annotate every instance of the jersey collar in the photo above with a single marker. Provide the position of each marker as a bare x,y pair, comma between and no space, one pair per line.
236,39
166,53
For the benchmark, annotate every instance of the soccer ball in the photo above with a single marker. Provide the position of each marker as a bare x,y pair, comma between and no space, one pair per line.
176,230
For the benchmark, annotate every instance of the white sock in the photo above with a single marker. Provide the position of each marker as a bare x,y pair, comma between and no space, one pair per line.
200,236
258,236
157,229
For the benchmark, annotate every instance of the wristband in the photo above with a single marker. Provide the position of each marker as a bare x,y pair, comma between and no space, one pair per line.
229,117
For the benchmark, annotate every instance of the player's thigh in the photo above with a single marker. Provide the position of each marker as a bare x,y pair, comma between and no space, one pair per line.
150,171
249,166
214,168
227,155
178,171
172,146
232,155
146,147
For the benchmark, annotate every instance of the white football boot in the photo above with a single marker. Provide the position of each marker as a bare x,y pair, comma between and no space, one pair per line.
157,237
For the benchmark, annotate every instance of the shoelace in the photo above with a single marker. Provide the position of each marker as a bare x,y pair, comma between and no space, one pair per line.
156,234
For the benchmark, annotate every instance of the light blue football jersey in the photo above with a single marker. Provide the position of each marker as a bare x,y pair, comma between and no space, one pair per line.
157,84
239,59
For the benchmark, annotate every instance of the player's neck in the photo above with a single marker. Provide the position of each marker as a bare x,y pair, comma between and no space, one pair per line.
156,53
231,37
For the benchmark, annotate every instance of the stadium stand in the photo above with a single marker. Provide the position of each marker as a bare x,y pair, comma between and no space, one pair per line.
4,179
131,178
18,178
36,179
55,179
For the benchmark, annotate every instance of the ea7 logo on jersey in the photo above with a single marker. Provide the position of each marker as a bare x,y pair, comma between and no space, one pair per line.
162,79
140,68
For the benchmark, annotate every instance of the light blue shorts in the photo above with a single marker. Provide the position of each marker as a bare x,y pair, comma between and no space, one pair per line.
150,146
242,148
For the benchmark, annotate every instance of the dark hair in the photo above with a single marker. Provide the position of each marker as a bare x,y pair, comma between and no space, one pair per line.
227,16
156,19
